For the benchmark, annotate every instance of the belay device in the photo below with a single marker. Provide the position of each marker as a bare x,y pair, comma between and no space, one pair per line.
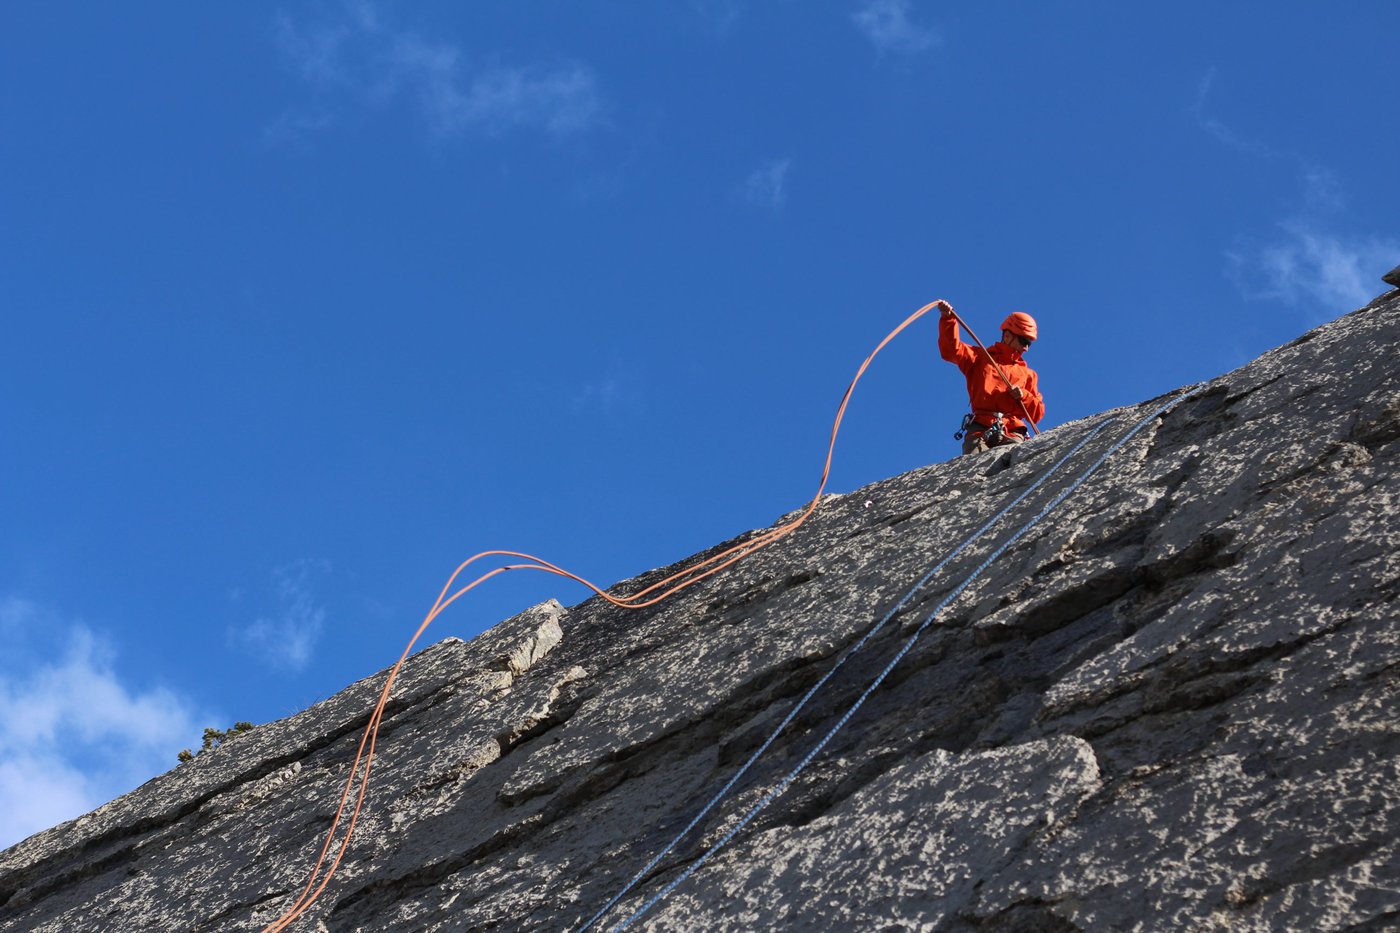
993,435
996,433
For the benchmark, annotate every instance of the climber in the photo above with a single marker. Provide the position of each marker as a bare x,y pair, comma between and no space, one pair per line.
998,410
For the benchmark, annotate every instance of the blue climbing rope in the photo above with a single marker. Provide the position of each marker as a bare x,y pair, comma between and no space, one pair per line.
879,679
845,656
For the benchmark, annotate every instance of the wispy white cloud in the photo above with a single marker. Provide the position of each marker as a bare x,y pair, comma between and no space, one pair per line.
39,791
1305,260
718,15
292,129
1306,264
601,394
559,99
887,25
286,638
1322,189
766,186
330,53
612,388
315,53
1224,134
74,734
361,60
17,614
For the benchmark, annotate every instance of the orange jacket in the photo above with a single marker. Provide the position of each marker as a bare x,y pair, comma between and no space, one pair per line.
986,391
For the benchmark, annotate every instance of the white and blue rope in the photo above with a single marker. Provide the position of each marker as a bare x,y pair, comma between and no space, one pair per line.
793,713
909,644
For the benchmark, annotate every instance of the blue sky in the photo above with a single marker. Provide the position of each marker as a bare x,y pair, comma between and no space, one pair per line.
305,304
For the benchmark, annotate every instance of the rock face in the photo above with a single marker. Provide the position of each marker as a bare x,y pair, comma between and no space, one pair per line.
1174,704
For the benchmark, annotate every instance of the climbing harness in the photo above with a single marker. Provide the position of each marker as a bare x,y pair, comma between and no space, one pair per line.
909,644
994,435
842,659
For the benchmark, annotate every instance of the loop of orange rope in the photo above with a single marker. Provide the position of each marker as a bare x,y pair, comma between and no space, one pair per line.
638,600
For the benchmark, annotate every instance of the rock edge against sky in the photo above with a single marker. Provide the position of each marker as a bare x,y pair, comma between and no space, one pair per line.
1172,705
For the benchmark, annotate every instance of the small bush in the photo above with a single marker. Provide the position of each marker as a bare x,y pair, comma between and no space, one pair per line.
214,738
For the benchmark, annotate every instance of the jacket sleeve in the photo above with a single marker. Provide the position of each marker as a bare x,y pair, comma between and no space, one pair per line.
950,345
1032,399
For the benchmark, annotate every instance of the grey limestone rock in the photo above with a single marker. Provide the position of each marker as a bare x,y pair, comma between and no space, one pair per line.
1173,704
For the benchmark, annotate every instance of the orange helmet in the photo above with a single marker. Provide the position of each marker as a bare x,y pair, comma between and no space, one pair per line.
1020,323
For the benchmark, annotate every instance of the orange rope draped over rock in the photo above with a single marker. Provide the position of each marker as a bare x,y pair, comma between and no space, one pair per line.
321,872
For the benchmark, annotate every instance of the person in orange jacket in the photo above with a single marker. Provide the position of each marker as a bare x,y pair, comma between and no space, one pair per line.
998,410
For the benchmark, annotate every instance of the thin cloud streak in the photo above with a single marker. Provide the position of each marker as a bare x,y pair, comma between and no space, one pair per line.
1321,188
559,100
362,62
602,396
314,53
287,638
887,25
767,186
719,15
1305,261
614,391
1222,133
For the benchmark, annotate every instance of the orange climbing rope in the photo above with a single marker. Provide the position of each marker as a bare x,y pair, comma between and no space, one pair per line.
318,880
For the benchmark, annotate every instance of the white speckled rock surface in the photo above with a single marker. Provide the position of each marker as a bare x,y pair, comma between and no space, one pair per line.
1175,704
